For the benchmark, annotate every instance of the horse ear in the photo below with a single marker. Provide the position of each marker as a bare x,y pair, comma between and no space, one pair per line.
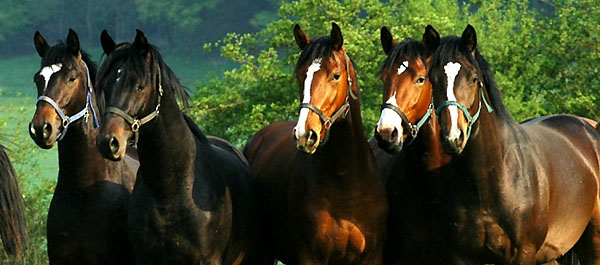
73,42
431,40
141,43
468,40
301,39
336,37
108,44
41,46
387,41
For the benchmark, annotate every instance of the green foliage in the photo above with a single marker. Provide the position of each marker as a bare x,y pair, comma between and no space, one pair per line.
544,57
181,14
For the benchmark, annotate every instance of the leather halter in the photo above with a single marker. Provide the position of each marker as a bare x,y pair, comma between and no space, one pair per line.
465,111
341,112
136,123
84,113
412,127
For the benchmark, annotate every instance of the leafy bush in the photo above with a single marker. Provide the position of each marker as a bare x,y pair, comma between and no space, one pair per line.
544,57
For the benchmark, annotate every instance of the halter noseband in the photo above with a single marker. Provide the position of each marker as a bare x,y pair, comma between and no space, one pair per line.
470,119
137,123
341,112
413,128
66,120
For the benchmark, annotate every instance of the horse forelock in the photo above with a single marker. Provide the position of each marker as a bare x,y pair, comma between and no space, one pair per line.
407,50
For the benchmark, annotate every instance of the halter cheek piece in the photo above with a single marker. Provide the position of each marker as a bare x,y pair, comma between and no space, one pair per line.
66,120
412,128
341,112
137,123
465,111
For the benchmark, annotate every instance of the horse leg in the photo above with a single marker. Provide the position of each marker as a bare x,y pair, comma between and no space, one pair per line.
588,245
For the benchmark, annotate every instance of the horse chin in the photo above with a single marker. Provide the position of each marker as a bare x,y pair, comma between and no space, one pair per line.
309,150
452,148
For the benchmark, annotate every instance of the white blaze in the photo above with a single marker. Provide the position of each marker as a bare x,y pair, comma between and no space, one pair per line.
389,118
451,70
301,125
402,67
48,71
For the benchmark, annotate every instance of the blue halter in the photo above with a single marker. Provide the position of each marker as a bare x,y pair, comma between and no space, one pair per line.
470,119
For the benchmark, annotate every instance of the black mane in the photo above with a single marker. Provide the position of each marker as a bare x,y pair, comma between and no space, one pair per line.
450,50
137,64
407,50
319,47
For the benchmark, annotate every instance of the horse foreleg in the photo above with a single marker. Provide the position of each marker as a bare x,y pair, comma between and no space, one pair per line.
587,247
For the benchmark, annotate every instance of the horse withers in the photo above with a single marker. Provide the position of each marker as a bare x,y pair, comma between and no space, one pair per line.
322,196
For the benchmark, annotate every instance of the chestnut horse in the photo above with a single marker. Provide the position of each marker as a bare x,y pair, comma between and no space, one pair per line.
13,229
88,212
192,201
520,193
324,203
415,170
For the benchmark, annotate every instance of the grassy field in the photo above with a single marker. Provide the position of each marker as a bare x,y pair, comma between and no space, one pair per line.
37,168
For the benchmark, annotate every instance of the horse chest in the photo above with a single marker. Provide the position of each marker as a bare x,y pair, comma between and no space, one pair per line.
341,236
480,232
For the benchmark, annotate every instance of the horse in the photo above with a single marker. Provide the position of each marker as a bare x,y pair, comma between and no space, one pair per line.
192,201
322,196
413,170
88,212
519,193
13,228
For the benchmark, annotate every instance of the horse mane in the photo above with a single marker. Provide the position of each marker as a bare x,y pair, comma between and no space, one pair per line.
407,50
195,129
450,51
137,64
319,47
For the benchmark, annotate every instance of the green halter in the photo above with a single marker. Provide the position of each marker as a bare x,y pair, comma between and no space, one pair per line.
470,120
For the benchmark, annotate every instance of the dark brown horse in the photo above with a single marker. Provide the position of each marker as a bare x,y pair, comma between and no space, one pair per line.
414,174
520,193
323,199
13,230
192,201
88,212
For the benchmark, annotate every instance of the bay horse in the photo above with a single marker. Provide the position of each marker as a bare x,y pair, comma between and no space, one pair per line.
322,196
88,212
13,227
192,201
522,193
414,170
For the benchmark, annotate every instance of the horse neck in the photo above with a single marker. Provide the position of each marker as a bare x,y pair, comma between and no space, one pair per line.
426,152
347,151
80,164
166,149
480,164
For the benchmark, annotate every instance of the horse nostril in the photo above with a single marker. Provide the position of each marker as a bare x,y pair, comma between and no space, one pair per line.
294,134
46,130
31,129
312,138
114,145
393,135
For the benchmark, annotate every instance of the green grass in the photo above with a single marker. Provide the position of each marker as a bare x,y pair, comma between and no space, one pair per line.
37,168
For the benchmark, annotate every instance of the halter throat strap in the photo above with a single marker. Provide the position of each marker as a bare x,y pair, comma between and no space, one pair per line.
84,113
470,119
136,123
412,127
341,112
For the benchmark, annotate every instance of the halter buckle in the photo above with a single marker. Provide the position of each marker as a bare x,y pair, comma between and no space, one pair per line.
414,130
65,122
327,124
135,126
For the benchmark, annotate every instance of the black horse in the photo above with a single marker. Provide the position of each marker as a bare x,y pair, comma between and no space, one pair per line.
88,212
192,201
13,230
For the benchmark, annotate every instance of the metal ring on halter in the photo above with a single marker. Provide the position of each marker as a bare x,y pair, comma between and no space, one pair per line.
136,125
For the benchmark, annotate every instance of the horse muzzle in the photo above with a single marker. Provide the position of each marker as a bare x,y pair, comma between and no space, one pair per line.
389,138
113,139
307,141
42,130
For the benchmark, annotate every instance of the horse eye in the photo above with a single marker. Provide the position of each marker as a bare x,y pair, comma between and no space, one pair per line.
336,76
140,87
420,80
475,80
71,79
